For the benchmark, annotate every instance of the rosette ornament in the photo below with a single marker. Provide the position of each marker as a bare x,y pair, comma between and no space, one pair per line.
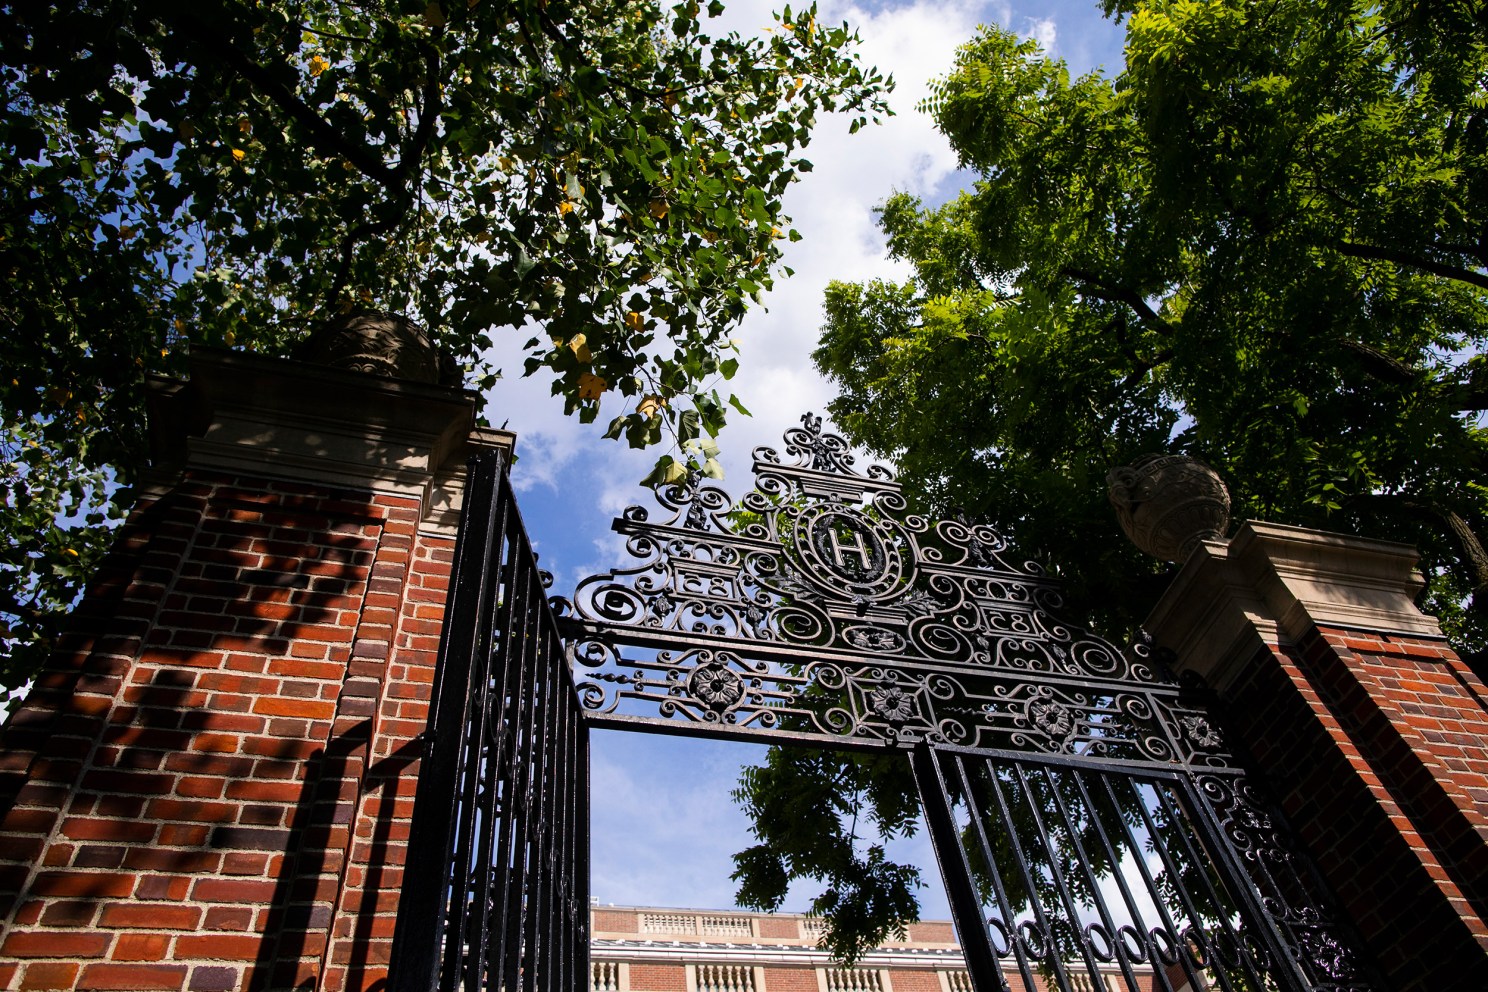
1167,504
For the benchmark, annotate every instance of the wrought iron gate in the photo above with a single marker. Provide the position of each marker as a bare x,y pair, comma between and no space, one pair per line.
1088,817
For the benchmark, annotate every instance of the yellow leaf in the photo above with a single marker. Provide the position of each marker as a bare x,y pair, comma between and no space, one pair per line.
239,154
318,65
229,337
579,348
651,405
69,552
659,209
566,207
591,386
634,321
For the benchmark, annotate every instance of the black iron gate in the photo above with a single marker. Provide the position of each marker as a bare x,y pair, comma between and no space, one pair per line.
1089,820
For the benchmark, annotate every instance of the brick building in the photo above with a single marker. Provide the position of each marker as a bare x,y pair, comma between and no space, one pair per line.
646,949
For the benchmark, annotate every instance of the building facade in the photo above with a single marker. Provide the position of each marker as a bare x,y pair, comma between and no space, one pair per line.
649,949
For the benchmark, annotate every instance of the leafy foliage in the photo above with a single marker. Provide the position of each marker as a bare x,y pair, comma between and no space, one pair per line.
812,813
235,173
1263,243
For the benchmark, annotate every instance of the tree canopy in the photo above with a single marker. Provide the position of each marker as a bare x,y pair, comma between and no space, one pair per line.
1262,243
234,173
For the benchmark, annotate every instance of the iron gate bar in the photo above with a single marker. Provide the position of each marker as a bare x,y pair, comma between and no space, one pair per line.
1196,811
1083,861
975,932
496,884
1126,895
482,797
1170,925
955,870
423,903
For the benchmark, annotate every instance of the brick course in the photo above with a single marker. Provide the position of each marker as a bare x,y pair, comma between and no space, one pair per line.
1344,728
210,786
659,978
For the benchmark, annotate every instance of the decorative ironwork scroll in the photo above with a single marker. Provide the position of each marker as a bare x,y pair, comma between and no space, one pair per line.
818,610
817,605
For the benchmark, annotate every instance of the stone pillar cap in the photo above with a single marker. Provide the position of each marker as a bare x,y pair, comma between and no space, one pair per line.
299,421
1273,584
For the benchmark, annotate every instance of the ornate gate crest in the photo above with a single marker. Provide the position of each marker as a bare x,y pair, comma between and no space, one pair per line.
819,607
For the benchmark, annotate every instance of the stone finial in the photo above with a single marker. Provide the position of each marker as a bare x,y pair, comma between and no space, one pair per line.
382,344
1167,504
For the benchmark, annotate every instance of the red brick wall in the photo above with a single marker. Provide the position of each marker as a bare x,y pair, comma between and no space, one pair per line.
1367,738
788,929
931,933
613,921
791,980
658,978
904,980
214,779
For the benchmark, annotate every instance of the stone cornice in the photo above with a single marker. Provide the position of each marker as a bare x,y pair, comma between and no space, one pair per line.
1272,584
297,421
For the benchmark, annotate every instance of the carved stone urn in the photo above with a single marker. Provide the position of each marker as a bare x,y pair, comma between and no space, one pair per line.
381,344
1167,504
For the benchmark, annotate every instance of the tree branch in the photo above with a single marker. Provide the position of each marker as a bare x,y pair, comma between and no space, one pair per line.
431,106
1381,365
1107,290
322,134
354,237
1381,254
1470,549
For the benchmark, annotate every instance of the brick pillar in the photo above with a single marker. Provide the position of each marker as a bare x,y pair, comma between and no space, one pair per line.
210,786
1369,728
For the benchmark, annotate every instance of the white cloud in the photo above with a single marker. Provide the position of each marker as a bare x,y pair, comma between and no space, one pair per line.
1044,32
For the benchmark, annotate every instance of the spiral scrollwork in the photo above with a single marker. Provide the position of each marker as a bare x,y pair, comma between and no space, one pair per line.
823,560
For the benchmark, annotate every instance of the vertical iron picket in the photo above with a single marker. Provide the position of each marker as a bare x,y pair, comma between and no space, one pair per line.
493,894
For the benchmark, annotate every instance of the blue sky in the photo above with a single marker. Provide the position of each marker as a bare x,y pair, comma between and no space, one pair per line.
664,826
